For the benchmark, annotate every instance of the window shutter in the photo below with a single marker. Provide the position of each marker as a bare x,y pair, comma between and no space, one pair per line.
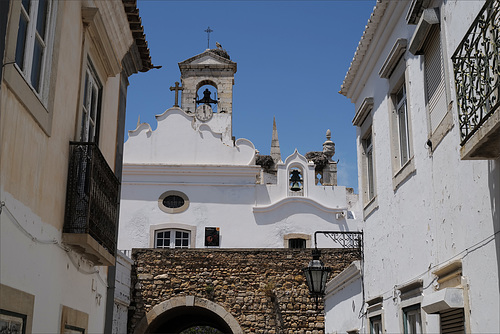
452,321
434,79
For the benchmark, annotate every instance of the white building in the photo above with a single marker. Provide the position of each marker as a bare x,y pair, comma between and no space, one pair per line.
189,183
63,87
425,85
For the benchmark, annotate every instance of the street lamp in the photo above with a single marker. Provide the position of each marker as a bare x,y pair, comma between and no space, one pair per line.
316,273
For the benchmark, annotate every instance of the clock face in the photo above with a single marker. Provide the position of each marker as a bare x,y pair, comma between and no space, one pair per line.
204,112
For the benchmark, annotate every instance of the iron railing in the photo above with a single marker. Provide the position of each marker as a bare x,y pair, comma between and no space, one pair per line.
92,195
345,239
476,64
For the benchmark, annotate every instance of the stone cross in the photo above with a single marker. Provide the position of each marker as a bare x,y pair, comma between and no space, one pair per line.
177,89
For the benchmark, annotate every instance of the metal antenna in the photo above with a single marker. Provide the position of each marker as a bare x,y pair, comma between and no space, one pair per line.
208,31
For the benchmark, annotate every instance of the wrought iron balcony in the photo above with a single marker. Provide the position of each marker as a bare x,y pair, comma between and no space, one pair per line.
476,64
91,204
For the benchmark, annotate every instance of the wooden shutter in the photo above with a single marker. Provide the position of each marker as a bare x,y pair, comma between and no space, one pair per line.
434,79
453,321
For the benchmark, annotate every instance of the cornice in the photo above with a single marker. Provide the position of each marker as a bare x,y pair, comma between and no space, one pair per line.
297,199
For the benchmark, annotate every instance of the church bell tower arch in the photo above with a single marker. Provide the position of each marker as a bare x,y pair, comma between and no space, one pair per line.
212,67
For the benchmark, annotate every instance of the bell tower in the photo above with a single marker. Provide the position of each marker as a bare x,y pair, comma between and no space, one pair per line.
213,68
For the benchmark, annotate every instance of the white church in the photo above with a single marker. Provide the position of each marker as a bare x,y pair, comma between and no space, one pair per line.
191,184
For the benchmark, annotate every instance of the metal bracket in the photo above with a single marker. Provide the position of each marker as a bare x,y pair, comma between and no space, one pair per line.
345,239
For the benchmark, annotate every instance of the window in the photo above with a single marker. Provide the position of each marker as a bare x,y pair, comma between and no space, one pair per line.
91,108
369,169
173,201
403,164
32,38
376,325
412,323
297,243
172,239
435,92
402,124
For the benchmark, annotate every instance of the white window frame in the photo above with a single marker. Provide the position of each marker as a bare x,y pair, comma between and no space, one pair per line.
401,131
32,37
412,319
376,324
369,170
401,105
185,235
91,106
172,226
39,103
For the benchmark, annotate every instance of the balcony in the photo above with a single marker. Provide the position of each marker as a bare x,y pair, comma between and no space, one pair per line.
92,198
476,64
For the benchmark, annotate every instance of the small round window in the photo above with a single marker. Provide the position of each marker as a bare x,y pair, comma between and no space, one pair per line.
173,201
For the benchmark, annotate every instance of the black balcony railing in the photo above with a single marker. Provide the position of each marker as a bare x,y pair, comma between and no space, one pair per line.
92,195
476,64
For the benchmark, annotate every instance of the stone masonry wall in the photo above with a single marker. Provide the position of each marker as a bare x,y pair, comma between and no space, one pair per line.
264,289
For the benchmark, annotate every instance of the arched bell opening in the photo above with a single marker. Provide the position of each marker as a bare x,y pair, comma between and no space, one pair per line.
295,181
207,93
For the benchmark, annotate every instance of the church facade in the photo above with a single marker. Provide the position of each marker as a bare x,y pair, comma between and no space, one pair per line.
192,191
190,184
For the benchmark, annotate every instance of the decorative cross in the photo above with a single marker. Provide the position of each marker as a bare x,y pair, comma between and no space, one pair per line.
208,31
177,89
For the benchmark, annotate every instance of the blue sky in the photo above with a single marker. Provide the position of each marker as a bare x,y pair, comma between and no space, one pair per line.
292,57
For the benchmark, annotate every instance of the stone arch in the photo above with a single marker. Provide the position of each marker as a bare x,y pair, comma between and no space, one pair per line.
206,82
179,313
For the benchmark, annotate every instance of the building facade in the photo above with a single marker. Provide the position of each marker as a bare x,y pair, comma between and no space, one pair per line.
63,89
424,82
190,184
209,220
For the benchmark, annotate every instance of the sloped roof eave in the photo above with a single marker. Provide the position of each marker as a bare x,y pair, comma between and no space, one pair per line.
366,38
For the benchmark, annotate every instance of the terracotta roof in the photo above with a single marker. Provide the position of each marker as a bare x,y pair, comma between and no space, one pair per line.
137,29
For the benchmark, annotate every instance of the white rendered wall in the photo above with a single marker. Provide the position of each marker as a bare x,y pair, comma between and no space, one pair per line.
344,301
448,209
221,183
55,277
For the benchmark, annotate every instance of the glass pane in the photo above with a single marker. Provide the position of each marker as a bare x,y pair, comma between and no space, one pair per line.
37,65
42,18
160,234
167,234
178,243
85,93
159,243
93,106
178,234
21,41
185,235
403,133
185,243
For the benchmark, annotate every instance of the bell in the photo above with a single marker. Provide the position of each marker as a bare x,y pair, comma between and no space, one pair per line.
295,187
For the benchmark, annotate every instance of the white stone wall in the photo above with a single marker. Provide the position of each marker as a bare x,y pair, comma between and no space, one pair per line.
447,209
